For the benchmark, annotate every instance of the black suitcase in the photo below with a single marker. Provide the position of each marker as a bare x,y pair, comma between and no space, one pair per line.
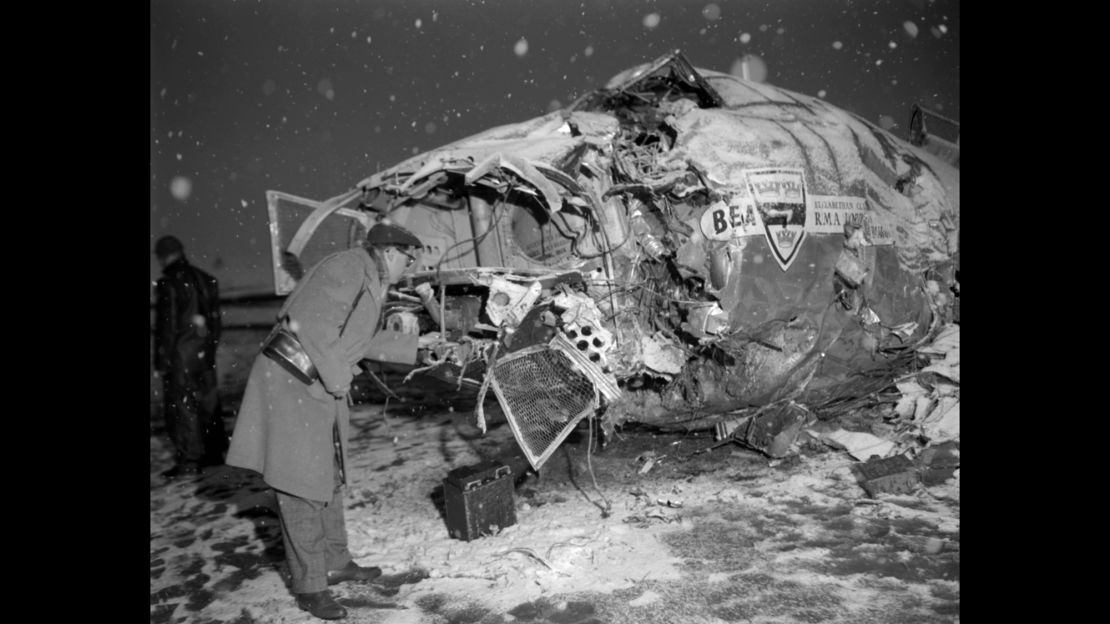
479,500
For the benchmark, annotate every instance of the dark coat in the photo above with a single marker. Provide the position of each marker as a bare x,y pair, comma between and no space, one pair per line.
284,427
187,319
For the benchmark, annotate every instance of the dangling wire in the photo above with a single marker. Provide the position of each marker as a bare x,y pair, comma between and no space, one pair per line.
477,240
589,465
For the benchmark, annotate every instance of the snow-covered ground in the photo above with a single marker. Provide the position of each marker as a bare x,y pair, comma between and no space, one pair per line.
721,536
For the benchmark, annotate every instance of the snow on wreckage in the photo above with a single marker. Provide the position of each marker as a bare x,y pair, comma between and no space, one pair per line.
682,248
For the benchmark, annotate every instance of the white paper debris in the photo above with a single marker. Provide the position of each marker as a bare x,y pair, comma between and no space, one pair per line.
661,355
645,599
948,367
580,309
943,423
947,340
859,445
921,407
911,392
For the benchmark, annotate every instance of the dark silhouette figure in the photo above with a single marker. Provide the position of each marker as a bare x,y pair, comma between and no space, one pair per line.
186,334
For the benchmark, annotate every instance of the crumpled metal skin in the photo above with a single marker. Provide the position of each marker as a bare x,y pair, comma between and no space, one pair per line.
617,187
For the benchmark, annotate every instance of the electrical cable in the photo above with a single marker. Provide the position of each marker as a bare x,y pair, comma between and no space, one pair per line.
477,240
589,465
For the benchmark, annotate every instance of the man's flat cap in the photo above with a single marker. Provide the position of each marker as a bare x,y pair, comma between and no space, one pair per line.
391,234
167,245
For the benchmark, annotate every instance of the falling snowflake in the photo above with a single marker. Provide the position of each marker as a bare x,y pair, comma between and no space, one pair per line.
651,20
521,47
745,38
837,45
910,28
711,12
181,188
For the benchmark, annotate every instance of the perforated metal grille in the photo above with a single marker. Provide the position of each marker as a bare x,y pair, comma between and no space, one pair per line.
543,397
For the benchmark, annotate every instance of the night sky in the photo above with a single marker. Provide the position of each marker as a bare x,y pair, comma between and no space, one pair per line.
311,97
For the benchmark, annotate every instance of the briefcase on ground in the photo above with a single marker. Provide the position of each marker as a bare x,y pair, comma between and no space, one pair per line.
479,500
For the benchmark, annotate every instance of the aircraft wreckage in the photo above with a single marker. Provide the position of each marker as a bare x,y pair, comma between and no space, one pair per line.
673,247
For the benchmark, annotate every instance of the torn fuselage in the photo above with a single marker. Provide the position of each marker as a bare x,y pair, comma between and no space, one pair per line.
703,242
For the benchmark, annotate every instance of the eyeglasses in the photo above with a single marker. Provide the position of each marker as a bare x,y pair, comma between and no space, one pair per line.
411,257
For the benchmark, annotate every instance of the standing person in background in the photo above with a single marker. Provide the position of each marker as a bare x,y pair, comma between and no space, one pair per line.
294,420
186,334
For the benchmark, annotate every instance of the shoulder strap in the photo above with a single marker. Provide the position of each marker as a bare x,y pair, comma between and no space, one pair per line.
353,306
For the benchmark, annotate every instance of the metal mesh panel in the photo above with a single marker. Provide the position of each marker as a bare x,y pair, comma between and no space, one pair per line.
543,397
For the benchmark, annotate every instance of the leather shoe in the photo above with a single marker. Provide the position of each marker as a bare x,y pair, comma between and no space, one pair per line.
353,572
181,470
321,604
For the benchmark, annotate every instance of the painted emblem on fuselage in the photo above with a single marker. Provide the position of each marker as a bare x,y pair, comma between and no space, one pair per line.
780,198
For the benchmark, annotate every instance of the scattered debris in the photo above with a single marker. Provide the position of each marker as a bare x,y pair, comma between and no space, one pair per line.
860,445
939,463
892,475
527,553
646,520
727,428
662,356
645,599
943,423
774,430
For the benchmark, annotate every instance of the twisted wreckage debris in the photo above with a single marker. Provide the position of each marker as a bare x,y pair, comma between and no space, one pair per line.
681,248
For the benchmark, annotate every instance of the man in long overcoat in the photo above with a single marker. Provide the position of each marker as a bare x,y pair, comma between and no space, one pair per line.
295,434
186,335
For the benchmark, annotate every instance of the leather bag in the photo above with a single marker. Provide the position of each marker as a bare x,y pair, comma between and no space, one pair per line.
283,347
